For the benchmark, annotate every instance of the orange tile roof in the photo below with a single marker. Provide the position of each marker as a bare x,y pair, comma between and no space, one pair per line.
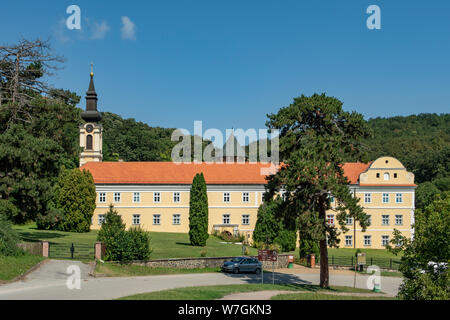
183,173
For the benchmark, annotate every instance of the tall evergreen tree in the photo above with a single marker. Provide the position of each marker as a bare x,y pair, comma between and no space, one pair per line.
198,212
316,136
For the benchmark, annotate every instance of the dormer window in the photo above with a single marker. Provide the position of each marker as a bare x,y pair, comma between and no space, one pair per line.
386,176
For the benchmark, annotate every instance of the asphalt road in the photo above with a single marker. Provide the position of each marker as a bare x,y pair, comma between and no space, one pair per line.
49,282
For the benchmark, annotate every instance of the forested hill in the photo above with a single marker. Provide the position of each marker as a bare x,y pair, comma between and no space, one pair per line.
421,142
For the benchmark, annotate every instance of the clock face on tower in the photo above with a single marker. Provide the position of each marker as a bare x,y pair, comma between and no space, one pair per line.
89,128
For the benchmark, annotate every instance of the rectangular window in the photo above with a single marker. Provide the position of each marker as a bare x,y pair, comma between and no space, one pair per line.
399,198
116,196
176,197
245,197
136,197
367,197
156,219
349,221
136,219
330,219
246,219
384,240
331,199
101,219
226,197
385,219
398,219
156,197
385,197
176,219
367,240
348,241
226,219
262,197
102,197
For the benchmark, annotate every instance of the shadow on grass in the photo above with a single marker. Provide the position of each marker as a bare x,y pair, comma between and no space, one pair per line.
187,244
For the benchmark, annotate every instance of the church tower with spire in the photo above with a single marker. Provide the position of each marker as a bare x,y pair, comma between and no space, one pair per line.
91,130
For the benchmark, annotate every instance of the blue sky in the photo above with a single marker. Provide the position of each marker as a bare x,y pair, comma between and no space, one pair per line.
229,63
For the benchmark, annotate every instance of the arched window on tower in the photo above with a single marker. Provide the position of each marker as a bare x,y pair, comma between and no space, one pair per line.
386,176
89,142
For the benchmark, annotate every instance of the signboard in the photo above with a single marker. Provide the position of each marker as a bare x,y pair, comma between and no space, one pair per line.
267,255
361,258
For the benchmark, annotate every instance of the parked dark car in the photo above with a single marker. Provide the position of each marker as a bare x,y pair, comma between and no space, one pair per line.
242,264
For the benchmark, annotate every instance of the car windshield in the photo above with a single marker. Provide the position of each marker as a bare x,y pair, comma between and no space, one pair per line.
238,259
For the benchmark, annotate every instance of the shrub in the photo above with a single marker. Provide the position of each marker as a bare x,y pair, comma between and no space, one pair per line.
122,245
198,212
203,253
51,221
8,238
307,247
8,209
286,239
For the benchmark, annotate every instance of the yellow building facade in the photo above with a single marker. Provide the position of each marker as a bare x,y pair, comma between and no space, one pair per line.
155,195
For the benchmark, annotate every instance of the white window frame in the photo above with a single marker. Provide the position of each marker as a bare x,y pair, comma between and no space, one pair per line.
117,197
244,218
102,197
399,198
385,197
328,219
226,216
349,219
176,219
136,197
384,240
386,176
101,219
398,217
331,198
383,220
348,241
245,197
156,197
262,197
176,197
156,217
367,240
226,197
136,219
367,198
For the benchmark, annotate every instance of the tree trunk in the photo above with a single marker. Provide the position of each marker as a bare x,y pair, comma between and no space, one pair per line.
324,272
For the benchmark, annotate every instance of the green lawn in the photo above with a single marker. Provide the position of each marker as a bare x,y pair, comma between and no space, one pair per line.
165,244
217,292
14,266
176,245
321,296
128,270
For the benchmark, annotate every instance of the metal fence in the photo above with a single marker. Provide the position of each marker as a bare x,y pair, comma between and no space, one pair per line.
71,251
384,263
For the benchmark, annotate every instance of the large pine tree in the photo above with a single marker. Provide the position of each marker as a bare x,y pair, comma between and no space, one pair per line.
198,211
316,136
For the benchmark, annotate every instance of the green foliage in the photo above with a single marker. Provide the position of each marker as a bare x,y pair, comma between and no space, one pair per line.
122,245
28,167
8,238
8,210
75,197
307,247
271,228
425,194
421,142
430,244
51,221
198,212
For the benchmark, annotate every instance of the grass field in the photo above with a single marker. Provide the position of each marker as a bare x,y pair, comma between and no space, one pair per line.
176,245
14,266
124,270
217,292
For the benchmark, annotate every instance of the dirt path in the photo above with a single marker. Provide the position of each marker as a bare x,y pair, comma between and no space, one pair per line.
268,294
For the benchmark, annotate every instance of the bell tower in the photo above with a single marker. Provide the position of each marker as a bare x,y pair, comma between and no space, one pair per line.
91,130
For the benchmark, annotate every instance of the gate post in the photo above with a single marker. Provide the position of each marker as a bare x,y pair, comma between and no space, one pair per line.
99,250
45,248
